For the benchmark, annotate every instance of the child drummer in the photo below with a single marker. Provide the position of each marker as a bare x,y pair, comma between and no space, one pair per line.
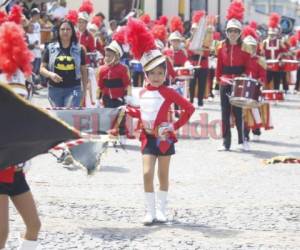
255,118
158,131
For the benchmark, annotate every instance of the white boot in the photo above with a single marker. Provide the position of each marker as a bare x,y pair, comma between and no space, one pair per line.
28,245
150,209
161,206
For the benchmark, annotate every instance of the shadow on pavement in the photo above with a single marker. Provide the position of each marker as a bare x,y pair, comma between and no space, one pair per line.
142,231
279,144
113,169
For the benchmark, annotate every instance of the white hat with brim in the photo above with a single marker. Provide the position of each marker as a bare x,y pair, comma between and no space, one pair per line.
175,36
273,31
151,59
194,26
250,40
234,24
159,44
84,16
115,47
92,27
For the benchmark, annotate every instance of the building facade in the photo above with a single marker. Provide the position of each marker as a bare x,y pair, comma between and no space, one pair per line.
117,9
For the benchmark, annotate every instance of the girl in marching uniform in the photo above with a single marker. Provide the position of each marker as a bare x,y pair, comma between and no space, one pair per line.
14,58
233,61
158,131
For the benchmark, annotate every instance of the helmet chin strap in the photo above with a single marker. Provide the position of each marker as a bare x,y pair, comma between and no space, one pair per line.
112,61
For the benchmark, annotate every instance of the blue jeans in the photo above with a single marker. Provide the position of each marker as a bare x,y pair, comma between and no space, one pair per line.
65,97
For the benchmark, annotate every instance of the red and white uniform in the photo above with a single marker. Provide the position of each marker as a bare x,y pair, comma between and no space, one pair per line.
114,80
178,57
256,69
87,40
155,106
194,58
232,62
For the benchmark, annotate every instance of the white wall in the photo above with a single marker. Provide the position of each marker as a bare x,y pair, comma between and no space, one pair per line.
150,8
99,5
170,7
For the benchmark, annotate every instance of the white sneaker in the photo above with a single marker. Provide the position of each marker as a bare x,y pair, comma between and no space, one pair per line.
246,146
210,99
256,137
223,148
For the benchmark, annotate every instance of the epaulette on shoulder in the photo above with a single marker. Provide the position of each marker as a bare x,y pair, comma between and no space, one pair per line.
247,48
262,62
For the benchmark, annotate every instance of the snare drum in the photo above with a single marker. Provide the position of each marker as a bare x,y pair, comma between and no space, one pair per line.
273,65
273,95
290,65
245,93
183,73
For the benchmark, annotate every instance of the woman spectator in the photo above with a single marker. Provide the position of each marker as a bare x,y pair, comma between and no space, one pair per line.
65,67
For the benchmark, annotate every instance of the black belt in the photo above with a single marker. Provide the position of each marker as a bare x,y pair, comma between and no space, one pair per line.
236,70
113,83
196,58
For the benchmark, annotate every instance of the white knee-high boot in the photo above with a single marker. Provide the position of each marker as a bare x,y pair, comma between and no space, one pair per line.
161,206
150,208
28,245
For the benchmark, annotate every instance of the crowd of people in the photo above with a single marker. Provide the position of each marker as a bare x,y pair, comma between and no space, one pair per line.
84,64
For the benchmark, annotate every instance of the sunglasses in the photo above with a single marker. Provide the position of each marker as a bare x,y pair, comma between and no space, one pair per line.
233,30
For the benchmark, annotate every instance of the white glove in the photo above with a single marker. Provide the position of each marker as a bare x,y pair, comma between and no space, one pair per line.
164,128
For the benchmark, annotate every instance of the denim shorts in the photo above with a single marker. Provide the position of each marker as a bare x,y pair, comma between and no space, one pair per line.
65,97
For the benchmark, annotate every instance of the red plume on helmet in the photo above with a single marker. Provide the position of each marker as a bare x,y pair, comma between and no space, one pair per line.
274,20
139,38
197,16
87,6
16,14
97,20
236,10
176,24
249,31
253,25
159,32
14,52
163,20
72,16
146,19
3,17
293,40
120,35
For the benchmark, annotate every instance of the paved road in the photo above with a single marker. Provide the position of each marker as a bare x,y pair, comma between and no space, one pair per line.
218,200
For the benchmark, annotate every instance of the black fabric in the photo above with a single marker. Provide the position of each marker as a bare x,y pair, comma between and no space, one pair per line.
113,83
277,77
200,78
27,131
64,66
226,108
151,148
19,186
230,70
196,57
115,103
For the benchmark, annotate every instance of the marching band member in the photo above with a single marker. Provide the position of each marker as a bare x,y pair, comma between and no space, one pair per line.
178,56
16,58
257,70
233,61
272,49
297,54
86,38
114,77
157,135
199,59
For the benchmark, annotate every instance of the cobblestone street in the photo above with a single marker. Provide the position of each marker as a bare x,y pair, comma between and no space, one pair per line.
218,200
